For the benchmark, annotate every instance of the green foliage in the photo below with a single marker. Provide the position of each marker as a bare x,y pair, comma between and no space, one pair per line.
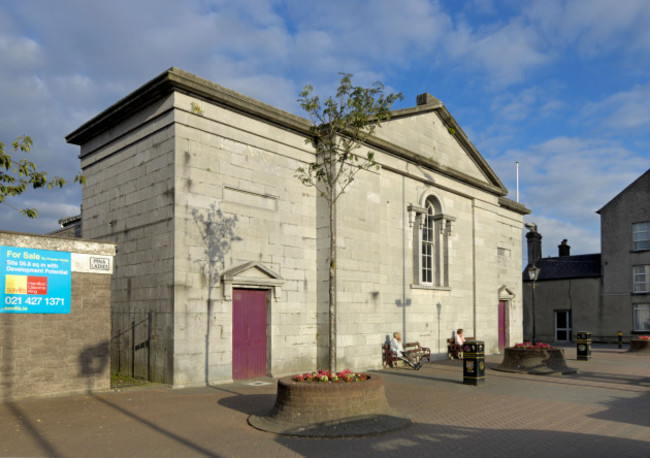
17,175
340,126
196,108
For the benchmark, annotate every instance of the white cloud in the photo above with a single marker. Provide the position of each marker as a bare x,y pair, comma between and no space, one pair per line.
506,54
597,27
564,181
622,111
581,239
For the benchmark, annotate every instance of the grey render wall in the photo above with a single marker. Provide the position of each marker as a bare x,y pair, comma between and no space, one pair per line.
56,354
201,183
632,205
581,296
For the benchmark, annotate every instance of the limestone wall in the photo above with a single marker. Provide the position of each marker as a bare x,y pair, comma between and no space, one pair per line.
236,202
129,200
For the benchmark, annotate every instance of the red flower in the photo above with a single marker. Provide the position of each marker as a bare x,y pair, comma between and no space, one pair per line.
538,345
324,376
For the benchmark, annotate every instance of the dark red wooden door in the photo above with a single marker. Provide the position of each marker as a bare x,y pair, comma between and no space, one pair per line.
248,333
502,325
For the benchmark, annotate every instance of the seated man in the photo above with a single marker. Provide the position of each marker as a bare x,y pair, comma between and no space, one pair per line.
396,346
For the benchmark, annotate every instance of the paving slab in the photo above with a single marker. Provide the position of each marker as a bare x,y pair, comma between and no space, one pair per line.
604,410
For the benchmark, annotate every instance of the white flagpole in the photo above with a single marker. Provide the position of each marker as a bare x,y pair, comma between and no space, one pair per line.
517,167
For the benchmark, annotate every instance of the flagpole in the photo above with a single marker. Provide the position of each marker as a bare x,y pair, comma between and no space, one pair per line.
517,167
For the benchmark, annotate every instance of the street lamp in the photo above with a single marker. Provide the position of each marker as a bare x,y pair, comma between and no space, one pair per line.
533,275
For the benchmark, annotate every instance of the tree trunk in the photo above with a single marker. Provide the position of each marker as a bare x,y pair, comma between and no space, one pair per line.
332,286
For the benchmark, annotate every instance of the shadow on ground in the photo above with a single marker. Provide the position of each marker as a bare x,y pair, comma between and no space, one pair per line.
437,440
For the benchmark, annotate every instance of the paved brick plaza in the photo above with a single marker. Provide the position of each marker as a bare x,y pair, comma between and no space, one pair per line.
602,411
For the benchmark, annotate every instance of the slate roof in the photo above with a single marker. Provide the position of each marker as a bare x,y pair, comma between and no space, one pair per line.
566,267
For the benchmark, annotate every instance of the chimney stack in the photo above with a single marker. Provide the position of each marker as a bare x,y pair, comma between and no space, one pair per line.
534,244
564,249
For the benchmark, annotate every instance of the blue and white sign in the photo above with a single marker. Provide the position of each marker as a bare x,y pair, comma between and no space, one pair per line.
34,281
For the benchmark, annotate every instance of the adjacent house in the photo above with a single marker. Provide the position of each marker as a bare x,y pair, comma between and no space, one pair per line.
567,291
604,293
222,252
625,243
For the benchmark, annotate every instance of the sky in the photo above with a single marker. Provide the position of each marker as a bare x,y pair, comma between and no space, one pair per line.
561,87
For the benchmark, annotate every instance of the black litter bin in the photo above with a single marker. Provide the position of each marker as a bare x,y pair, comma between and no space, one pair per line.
583,340
474,362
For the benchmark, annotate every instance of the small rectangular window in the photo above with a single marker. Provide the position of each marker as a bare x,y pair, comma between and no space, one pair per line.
641,236
642,317
641,279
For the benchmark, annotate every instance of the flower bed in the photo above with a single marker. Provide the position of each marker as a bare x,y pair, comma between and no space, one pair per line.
324,376
640,344
330,409
530,345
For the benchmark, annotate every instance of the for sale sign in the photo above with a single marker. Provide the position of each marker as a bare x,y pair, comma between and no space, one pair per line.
34,281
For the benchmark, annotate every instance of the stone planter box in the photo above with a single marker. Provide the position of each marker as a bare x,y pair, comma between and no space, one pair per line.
640,346
330,409
539,361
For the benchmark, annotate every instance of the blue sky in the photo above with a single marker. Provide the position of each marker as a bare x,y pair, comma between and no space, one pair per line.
563,87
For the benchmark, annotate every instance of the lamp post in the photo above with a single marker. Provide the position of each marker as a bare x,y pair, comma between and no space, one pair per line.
533,275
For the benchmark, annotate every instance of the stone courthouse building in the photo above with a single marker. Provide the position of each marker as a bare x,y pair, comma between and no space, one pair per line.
228,250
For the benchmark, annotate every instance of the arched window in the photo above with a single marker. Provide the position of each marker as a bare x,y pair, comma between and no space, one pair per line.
428,244
432,233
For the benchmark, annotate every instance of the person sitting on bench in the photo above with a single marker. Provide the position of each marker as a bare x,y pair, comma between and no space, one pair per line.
396,346
460,340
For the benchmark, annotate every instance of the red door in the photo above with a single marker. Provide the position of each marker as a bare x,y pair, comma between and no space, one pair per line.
248,333
502,325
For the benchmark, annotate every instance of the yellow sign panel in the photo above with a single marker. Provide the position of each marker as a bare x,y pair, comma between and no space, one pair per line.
16,284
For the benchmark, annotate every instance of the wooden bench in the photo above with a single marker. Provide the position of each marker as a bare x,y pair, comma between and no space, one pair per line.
416,352
389,356
454,351
413,351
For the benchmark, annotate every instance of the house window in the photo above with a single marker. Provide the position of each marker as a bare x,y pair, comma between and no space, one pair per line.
432,232
641,236
642,317
641,279
428,246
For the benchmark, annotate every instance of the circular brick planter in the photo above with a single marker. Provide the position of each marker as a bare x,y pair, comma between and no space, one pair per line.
538,361
640,346
315,409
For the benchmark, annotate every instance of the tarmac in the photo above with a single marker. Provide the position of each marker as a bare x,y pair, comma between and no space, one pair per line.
603,410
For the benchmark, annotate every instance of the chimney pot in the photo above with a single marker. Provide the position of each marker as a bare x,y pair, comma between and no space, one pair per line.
534,244
564,249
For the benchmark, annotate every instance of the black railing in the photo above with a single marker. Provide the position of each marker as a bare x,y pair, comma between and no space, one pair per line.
131,348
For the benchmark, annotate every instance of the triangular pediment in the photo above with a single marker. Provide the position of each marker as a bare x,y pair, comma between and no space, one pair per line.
251,275
251,270
431,135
